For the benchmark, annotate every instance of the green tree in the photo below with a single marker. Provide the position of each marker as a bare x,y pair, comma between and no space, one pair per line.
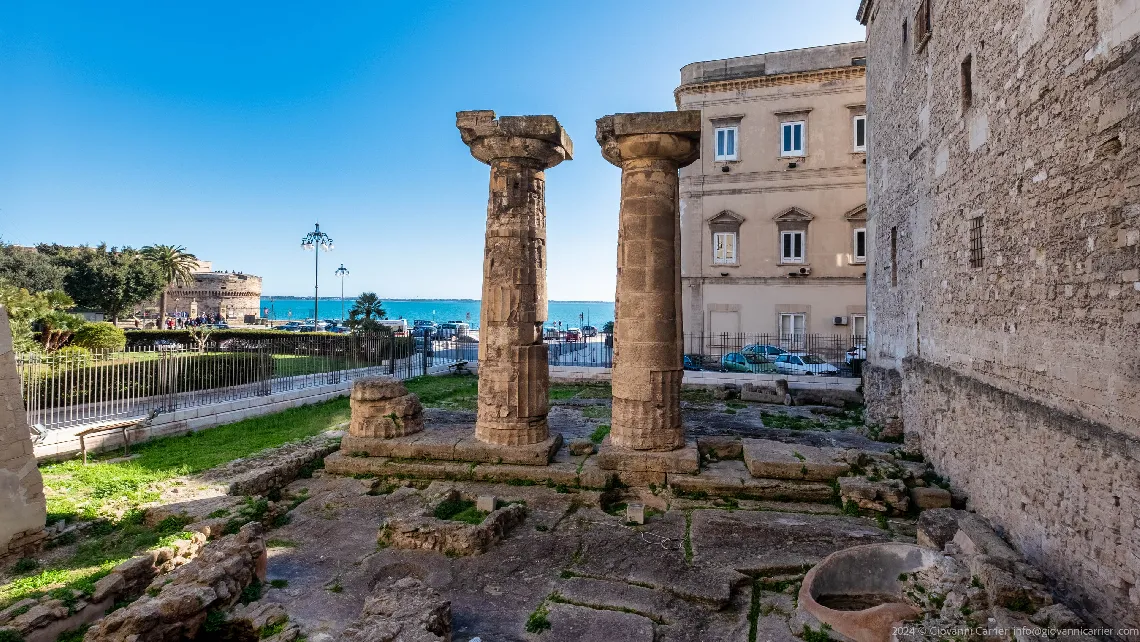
110,279
174,263
365,312
30,269
26,308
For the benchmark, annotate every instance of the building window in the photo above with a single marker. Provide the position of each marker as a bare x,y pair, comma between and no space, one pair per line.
724,248
894,256
726,143
967,82
859,326
792,247
860,130
860,245
792,138
904,31
977,250
792,327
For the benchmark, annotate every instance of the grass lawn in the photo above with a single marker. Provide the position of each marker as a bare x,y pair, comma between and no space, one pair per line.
113,493
455,392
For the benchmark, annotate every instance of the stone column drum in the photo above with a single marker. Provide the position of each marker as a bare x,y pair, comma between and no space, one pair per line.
648,362
513,372
382,408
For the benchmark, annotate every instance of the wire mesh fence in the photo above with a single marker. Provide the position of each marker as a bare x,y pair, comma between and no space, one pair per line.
73,387
796,354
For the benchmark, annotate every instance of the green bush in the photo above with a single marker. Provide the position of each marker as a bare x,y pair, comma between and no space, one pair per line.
71,356
99,336
362,349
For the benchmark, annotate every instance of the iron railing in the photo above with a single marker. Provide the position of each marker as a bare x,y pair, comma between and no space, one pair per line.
73,388
809,354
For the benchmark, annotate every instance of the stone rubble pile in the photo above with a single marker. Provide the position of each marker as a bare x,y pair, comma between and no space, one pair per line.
49,616
981,584
176,605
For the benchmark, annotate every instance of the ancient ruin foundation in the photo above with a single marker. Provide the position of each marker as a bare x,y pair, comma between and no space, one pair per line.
649,148
513,376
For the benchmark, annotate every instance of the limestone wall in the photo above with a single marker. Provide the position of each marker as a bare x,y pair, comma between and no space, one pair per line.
22,505
1018,360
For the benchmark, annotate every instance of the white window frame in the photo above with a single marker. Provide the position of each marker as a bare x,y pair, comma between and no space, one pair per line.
735,139
862,118
855,256
784,257
784,126
853,326
793,337
729,255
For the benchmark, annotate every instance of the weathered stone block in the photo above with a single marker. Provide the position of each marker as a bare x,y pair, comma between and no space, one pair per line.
485,503
683,460
884,496
405,610
777,460
635,513
930,497
383,408
581,447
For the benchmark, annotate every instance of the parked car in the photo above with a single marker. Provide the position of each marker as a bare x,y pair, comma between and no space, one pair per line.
798,363
465,338
740,362
589,331
692,362
857,352
550,333
573,334
451,329
423,323
763,351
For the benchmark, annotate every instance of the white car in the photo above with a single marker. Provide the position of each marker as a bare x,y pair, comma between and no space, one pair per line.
858,351
798,363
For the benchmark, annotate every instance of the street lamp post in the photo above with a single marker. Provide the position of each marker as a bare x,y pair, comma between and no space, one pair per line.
342,272
316,241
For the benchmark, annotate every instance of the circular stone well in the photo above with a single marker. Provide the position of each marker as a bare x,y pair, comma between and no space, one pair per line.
857,590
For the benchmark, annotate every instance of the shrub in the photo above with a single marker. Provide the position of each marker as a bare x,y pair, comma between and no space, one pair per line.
71,356
99,336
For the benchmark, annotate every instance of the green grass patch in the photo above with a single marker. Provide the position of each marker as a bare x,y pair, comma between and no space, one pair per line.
597,412
791,422
459,510
538,621
599,434
455,392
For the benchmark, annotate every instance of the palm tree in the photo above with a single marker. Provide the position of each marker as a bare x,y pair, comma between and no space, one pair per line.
176,266
366,310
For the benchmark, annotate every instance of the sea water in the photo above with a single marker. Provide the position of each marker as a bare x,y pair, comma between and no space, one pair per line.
572,314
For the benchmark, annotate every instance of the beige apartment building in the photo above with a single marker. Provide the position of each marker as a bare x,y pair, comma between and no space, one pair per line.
773,215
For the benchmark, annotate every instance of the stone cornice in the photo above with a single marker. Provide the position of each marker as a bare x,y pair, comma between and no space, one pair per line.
776,80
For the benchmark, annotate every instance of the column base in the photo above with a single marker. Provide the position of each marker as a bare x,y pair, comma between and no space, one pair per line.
452,443
684,460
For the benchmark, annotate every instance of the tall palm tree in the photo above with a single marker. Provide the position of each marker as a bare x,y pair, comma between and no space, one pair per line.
176,266
366,310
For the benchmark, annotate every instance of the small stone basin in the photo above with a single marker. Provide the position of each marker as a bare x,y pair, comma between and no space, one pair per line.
857,590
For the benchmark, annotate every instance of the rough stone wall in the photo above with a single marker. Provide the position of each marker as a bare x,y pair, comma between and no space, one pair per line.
23,509
1019,374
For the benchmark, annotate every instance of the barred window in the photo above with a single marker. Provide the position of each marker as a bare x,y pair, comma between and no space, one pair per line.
977,250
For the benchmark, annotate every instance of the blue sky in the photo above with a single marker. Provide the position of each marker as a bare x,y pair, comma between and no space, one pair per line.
230,127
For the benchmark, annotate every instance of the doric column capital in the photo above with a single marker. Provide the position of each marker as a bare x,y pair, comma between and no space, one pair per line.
664,135
539,139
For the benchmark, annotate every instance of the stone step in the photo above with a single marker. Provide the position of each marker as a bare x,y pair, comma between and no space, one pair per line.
770,459
570,623
731,478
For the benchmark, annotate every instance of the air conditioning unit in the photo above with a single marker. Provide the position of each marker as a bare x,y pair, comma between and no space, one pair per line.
805,271
840,320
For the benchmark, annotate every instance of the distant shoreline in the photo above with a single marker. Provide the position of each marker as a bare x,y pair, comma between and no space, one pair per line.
348,298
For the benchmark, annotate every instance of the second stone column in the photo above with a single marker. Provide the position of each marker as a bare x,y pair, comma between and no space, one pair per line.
513,370
648,362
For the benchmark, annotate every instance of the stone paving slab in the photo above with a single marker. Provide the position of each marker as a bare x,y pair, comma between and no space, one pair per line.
569,623
778,542
453,442
732,479
778,460
683,460
559,473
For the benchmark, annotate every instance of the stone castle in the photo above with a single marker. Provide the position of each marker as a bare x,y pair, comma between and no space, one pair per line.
233,295
1004,295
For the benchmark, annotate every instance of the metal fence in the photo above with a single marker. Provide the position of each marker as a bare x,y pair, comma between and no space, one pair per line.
807,354
71,388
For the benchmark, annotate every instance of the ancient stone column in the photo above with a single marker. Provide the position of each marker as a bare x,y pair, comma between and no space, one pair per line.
513,373
23,509
649,148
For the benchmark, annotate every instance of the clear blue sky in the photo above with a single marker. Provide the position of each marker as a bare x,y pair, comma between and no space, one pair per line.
230,127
